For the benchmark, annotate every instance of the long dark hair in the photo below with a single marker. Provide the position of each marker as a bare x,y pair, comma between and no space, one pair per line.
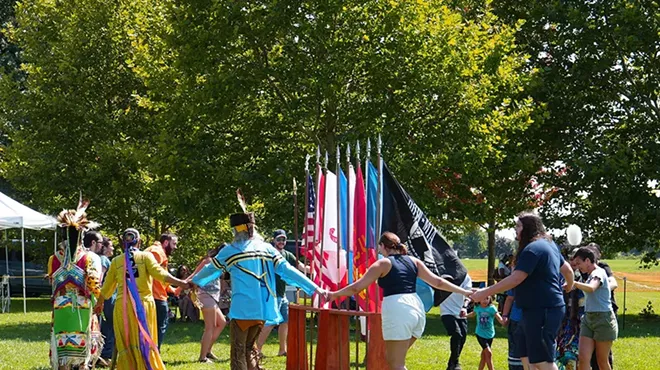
532,229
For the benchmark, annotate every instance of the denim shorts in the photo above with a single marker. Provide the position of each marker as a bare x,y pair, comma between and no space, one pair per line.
283,306
541,326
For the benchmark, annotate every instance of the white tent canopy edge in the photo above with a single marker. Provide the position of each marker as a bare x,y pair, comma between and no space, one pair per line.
14,215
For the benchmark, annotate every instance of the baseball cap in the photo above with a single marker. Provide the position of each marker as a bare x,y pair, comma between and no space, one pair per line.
279,233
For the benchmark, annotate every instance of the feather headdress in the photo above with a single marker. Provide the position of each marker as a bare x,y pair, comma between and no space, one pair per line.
75,222
77,218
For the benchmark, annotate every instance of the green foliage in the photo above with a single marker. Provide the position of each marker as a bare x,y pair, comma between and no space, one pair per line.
647,312
157,110
471,244
599,71
505,246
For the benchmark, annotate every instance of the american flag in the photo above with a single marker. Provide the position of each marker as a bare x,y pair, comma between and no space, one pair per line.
309,225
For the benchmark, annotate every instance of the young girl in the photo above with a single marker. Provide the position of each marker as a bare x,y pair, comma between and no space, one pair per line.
485,311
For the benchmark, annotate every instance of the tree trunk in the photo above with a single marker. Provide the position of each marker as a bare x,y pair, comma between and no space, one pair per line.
491,252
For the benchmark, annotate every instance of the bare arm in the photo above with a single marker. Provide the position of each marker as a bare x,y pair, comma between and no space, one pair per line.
304,269
505,284
200,266
508,304
177,282
589,288
569,275
500,319
373,273
470,315
436,281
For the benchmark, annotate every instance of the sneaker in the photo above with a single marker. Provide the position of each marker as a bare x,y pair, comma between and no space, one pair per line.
205,361
211,356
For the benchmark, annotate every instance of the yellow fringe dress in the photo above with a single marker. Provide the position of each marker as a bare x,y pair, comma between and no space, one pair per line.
127,344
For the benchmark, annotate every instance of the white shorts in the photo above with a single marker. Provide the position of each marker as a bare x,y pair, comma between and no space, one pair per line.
403,317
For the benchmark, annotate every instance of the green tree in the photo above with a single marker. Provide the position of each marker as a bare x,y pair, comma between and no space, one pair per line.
157,110
471,244
599,66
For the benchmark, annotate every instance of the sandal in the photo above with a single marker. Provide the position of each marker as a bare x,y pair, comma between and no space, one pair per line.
211,356
205,361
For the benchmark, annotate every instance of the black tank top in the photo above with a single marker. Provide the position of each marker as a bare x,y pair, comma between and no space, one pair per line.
402,278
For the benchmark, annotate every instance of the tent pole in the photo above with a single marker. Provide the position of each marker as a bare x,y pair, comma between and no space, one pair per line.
23,257
6,253
55,243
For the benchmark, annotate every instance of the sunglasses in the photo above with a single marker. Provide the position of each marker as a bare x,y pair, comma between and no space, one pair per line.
280,239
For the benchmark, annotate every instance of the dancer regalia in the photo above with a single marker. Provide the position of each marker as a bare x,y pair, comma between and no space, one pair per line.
75,334
131,274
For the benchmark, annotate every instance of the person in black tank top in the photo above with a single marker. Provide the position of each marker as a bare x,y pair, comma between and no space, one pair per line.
397,274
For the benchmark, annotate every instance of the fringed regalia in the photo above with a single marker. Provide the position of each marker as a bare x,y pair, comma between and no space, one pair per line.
569,333
132,274
75,335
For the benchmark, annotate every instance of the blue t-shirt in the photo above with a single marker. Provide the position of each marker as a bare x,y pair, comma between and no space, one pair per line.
516,312
599,301
105,262
542,262
485,324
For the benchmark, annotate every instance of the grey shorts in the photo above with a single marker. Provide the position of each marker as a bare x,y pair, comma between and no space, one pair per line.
599,326
206,300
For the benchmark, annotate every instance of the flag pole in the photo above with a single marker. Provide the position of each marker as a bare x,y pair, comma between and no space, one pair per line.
316,212
339,233
306,215
295,230
321,259
306,233
349,225
379,208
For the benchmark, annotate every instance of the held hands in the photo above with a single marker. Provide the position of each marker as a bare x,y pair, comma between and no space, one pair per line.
463,313
98,307
568,289
323,293
478,295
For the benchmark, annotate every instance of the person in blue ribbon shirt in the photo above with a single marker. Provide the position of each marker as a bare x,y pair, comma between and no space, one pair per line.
252,265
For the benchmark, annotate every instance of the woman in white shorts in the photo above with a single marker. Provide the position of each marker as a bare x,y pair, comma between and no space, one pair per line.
403,313
208,298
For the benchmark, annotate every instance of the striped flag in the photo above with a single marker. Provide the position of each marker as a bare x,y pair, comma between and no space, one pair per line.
309,221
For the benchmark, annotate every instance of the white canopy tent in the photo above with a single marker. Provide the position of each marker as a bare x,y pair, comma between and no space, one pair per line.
14,215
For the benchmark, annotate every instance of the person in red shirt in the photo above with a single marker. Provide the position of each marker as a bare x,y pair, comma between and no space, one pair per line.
161,250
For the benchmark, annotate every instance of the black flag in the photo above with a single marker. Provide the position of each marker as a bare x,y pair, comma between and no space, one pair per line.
403,217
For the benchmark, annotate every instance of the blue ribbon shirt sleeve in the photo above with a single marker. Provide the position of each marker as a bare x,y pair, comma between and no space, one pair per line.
209,273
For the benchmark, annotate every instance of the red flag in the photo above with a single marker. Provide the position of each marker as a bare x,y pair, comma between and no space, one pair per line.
360,262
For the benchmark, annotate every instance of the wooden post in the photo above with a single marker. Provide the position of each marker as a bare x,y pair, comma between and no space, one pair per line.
376,344
296,358
334,339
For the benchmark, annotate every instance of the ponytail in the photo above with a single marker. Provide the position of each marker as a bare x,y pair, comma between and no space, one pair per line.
392,241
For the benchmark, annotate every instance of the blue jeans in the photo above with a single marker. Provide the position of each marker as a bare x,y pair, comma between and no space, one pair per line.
161,319
107,329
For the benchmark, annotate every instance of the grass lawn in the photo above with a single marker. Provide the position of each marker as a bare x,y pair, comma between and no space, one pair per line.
24,338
